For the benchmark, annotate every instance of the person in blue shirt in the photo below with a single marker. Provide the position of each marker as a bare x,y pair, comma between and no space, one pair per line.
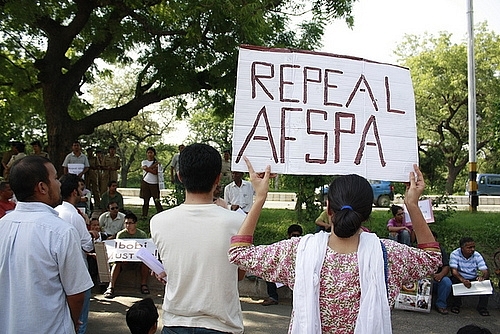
465,263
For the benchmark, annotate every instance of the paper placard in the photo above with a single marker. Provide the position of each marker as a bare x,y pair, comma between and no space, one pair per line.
425,206
323,114
75,168
477,288
415,296
124,250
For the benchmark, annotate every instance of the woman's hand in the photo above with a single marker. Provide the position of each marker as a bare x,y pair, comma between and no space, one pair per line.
260,181
416,186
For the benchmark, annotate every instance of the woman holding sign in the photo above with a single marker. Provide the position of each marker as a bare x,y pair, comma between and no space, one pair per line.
344,281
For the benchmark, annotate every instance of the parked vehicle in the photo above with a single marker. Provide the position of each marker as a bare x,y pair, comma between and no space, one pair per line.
487,185
383,192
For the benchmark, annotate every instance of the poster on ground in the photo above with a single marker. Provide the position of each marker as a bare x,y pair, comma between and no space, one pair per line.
313,113
415,296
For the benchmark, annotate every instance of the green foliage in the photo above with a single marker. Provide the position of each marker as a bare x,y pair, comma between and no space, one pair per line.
182,50
439,72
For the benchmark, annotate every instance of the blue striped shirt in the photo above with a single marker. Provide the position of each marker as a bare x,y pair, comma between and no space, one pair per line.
467,267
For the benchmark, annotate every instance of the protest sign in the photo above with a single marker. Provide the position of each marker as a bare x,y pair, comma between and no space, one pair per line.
124,250
323,114
425,206
415,296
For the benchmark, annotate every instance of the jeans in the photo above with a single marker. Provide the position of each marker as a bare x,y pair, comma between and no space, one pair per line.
403,237
443,289
84,316
189,330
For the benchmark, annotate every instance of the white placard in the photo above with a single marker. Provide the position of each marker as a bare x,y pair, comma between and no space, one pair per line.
75,168
477,288
123,250
425,206
323,114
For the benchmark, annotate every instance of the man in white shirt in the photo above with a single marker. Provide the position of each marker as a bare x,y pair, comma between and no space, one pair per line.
76,162
112,221
202,289
239,193
42,270
71,194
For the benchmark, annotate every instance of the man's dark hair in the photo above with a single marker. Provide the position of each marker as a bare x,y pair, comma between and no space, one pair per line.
199,166
142,316
130,215
112,202
69,183
473,329
465,240
36,142
111,182
20,146
350,198
25,174
152,149
295,228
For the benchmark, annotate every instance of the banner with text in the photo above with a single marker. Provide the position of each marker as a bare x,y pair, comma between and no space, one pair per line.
323,114
123,250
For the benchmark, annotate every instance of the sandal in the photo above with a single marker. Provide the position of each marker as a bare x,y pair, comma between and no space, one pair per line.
442,310
455,309
109,293
144,289
484,312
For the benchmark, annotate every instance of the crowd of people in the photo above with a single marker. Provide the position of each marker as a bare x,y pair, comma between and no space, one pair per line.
344,278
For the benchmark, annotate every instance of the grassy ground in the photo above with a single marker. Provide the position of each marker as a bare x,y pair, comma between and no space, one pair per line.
483,227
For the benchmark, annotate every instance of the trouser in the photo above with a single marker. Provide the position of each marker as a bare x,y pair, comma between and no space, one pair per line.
272,290
84,316
443,289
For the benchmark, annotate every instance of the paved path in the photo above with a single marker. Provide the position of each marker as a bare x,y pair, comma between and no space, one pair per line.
108,316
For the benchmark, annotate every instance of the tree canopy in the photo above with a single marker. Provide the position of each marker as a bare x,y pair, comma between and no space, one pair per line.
50,50
439,73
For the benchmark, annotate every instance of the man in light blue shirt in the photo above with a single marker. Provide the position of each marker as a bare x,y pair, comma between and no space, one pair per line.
465,263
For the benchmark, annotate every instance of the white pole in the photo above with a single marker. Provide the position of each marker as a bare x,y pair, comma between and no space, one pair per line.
471,80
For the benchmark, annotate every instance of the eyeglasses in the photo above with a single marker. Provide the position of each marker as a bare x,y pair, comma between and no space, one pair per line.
114,208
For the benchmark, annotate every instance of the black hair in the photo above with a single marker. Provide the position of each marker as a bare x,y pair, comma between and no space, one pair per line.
36,142
111,182
142,316
199,166
151,149
20,146
395,209
295,228
473,329
350,198
130,215
465,240
69,183
26,173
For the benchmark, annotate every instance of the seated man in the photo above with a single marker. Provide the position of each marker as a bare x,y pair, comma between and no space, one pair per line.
111,195
6,202
129,232
142,317
112,221
464,264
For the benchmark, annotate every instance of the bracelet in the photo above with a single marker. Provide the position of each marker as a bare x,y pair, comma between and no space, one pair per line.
241,240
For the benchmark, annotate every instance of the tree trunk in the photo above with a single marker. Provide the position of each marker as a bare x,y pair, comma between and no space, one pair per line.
453,172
